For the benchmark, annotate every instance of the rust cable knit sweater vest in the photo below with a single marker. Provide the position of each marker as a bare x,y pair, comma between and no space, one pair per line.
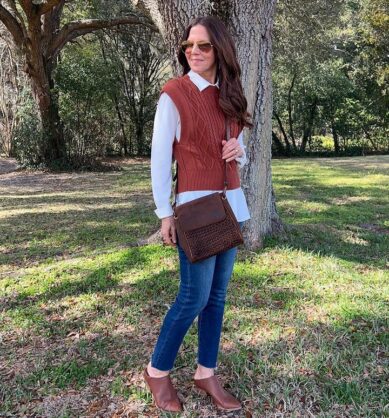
199,151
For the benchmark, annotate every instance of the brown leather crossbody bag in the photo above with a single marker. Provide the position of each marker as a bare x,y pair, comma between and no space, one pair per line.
206,226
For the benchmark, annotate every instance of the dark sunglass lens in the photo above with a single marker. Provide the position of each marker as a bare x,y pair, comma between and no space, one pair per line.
186,46
206,47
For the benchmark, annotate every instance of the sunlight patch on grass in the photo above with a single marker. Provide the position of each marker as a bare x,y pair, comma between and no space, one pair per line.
306,321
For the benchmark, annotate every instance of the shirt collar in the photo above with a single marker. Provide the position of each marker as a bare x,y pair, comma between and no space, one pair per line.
200,82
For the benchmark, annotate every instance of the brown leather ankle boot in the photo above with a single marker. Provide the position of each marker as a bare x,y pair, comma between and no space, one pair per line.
221,398
164,394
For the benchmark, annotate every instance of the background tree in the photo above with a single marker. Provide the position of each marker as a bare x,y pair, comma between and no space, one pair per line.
139,63
362,42
12,83
302,40
39,37
330,76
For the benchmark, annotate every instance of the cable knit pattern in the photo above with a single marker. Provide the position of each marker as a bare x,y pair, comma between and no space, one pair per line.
199,151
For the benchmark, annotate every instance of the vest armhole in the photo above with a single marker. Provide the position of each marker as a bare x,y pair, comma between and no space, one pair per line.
178,105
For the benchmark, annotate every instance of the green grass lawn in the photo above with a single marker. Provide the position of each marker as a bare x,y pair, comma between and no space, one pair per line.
306,330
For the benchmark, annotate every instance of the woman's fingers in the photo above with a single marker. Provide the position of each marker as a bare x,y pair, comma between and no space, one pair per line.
174,235
168,231
231,149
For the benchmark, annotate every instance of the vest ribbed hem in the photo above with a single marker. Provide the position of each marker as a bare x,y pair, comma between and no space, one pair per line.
204,180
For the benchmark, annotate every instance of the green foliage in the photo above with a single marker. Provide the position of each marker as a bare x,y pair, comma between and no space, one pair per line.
321,143
28,137
330,74
85,86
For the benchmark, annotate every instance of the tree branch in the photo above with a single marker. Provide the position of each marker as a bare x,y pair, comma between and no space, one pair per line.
26,5
12,25
78,28
49,5
18,17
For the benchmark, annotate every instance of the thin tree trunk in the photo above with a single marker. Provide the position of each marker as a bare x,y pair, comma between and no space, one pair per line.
291,130
284,135
278,143
368,136
122,126
117,107
308,128
336,138
139,139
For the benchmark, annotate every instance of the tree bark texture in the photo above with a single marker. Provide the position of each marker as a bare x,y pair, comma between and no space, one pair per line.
250,23
12,82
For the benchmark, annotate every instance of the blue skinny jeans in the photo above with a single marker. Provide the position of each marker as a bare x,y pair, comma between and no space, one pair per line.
202,293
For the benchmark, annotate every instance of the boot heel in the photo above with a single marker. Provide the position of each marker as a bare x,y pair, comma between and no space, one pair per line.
163,393
220,397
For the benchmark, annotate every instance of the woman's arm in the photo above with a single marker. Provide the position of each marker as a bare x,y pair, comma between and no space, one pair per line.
164,131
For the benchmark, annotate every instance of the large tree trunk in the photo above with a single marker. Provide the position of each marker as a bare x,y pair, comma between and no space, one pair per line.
253,21
250,23
54,144
39,67
280,149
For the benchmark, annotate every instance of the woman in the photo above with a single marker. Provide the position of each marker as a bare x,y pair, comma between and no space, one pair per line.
189,126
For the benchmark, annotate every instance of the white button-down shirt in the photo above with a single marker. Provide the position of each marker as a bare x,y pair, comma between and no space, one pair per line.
167,126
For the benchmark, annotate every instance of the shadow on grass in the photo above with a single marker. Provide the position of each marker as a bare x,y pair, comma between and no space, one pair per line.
273,357
105,209
97,281
349,222
42,236
317,368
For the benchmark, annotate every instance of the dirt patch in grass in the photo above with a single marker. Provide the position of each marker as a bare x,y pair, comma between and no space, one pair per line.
375,228
8,165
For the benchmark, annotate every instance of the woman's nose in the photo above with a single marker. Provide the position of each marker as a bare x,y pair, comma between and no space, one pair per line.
195,49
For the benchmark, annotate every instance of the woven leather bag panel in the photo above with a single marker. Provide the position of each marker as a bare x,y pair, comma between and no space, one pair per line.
212,239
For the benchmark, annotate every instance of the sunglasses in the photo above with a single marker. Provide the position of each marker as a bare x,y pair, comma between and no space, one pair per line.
203,46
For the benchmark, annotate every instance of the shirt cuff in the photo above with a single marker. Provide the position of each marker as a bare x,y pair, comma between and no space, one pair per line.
242,159
164,212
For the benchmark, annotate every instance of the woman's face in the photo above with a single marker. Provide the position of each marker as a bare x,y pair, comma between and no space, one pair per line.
203,63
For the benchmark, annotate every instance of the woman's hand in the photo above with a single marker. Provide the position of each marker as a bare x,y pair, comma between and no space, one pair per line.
168,231
231,149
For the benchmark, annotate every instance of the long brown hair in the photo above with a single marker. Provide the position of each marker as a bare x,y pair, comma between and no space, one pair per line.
231,99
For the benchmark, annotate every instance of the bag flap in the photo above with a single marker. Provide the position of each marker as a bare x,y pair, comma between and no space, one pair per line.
200,212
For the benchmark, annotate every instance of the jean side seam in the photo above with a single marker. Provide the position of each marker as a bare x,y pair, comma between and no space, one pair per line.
171,327
221,320
199,331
